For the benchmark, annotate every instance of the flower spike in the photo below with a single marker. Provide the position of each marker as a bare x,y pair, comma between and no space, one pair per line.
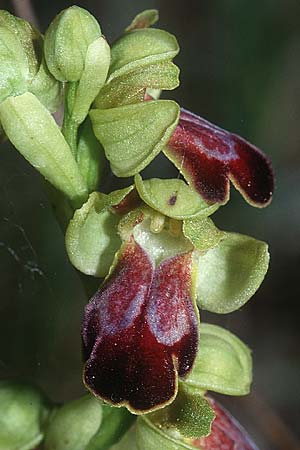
140,331
209,157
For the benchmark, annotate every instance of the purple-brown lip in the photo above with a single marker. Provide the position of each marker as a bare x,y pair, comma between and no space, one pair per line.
209,157
140,331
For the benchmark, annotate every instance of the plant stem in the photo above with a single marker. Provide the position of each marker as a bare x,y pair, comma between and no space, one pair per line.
69,127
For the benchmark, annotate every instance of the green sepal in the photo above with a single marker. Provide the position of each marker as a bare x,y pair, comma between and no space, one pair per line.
140,48
221,290
130,88
93,77
173,198
144,19
202,233
33,131
13,62
115,422
23,415
74,424
190,414
90,156
133,135
223,363
67,40
91,237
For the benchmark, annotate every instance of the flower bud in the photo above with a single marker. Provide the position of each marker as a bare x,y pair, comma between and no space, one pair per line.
67,40
74,424
22,65
23,413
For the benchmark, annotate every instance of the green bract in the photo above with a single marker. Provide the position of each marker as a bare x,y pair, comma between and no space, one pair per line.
67,40
74,424
223,363
230,273
202,233
172,198
91,237
133,135
23,414
33,131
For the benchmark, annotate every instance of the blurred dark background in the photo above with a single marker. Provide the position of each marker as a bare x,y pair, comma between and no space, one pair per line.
240,68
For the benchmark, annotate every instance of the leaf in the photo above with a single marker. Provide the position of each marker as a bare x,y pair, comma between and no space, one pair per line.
130,88
33,131
91,238
202,232
172,198
140,48
133,135
223,363
144,19
190,414
230,273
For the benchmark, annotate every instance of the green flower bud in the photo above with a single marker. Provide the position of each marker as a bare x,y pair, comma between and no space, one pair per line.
23,413
67,40
22,65
74,424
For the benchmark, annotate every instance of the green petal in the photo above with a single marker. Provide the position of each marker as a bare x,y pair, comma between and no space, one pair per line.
144,19
133,135
190,414
130,88
91,237
223,363
231,273
202,232
33,131
172,198
140,48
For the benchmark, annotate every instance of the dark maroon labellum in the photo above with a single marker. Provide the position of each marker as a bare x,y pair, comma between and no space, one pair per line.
140,330
226,433
209,157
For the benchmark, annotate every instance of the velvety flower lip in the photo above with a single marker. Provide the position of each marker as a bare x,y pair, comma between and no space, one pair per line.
140,331
209,157
226,433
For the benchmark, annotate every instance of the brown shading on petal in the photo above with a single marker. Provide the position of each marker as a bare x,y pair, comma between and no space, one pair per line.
226,433
135,336
209,156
